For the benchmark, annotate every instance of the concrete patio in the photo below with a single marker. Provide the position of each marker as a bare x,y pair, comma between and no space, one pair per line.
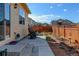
29,47
42,47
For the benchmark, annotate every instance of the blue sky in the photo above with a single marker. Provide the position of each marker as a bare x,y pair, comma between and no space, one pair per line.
45,12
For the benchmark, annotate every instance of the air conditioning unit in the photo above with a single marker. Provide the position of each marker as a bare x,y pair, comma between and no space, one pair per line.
1,37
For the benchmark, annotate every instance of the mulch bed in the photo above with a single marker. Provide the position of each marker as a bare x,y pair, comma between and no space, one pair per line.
61,50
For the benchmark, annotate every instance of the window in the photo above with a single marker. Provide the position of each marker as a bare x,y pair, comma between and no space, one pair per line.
21,16
1,21
21,20
7,18
24,21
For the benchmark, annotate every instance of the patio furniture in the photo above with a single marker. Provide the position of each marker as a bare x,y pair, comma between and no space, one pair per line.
32,35
3,52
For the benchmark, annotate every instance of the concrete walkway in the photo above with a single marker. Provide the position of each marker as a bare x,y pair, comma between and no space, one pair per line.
29,47
41,47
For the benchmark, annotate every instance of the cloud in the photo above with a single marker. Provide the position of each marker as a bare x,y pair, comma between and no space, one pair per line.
77,10
60,4
65,10
44,18
51,6
59,16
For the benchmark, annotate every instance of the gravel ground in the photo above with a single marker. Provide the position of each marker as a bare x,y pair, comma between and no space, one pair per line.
61,51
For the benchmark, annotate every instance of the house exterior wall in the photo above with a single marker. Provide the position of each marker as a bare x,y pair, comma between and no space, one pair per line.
22,29
15,26
27,22
14,20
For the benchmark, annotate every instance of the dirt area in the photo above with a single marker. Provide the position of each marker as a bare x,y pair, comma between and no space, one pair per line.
62,49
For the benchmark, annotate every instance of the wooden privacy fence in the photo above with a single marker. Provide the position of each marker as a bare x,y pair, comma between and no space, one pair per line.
69,33
42,28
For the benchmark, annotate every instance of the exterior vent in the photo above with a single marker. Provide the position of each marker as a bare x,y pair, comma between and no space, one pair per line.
15,5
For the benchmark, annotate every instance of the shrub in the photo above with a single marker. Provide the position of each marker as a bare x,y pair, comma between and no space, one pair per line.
48,38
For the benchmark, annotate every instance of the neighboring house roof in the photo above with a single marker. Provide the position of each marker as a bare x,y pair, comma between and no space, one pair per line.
32,21
25,7
63,22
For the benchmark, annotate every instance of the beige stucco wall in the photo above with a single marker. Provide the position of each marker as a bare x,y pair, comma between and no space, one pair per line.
15,26
23,29
26,23
11,38
14,20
